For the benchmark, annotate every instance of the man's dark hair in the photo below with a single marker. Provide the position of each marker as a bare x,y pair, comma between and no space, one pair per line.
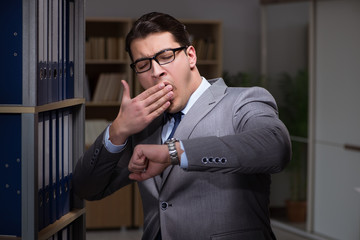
155,22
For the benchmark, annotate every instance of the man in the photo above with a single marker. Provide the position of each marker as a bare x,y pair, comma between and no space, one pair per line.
213,180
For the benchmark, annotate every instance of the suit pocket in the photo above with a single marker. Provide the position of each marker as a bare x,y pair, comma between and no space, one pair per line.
250,234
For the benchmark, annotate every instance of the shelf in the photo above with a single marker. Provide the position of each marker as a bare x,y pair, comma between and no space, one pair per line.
53,228
9,238
67,219
44,132
42,108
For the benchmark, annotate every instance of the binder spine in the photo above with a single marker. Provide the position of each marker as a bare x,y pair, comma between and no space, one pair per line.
11,52
10,175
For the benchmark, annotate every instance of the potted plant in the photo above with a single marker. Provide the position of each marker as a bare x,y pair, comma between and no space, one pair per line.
294,113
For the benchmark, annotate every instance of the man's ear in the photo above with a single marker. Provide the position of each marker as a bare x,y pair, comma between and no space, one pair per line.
191,53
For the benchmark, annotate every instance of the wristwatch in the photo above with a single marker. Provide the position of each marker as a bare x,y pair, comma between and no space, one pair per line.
174,159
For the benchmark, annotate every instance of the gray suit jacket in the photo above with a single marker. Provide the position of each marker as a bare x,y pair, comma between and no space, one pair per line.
233,141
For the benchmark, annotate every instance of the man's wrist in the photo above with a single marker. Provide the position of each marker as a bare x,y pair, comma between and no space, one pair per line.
115,136
173,145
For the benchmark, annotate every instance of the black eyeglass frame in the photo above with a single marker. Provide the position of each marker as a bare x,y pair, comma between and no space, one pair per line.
174,50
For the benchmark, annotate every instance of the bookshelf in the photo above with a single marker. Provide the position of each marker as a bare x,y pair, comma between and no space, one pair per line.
206,36
42,89
106,62
103,40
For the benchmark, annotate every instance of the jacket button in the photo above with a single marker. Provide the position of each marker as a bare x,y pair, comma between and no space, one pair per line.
164,205
96,152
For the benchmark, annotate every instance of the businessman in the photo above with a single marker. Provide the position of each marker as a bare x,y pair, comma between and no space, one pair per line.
202,153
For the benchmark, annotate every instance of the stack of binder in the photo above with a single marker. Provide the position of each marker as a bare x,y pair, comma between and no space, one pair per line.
56,26
55,158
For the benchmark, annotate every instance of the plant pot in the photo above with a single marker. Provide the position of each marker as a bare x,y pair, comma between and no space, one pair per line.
296,210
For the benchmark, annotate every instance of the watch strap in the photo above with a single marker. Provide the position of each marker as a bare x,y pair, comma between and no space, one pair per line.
174,159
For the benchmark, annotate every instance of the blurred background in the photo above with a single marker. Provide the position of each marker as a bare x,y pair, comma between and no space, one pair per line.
306,53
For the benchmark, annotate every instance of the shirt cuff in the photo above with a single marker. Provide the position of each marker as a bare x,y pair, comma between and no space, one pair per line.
109,145
184,161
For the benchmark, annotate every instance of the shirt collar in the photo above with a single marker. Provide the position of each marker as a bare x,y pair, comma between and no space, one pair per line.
195,96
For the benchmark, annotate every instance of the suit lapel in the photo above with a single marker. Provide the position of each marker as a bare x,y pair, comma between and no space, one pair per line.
207,101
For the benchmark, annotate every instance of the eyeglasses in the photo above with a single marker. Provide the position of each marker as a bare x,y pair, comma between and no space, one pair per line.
163,57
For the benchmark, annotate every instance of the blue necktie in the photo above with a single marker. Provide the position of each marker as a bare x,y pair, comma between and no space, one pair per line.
177,118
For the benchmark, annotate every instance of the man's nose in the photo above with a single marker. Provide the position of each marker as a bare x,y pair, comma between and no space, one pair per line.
157,70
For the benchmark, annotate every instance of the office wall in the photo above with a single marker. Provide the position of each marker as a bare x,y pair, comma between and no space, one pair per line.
337,119
241,23
286,38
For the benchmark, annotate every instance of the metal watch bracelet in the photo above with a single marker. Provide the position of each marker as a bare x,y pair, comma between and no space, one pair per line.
174,159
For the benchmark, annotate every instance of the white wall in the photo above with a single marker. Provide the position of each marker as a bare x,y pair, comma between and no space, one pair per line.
337,119
241,23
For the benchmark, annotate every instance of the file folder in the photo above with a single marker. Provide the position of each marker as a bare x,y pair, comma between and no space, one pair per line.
65,47
70,38
60,165
47,152
45,66
41,79
10,174
61,47
11,52
71,158
54,50
53,165
41,170
50,53
66,189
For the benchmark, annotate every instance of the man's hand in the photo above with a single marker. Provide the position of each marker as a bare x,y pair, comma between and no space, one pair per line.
148,161
137,113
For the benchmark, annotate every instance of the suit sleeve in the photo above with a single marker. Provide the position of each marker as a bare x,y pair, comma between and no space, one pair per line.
260,142
99,173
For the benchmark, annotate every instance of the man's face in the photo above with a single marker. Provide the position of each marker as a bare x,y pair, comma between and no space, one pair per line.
178,73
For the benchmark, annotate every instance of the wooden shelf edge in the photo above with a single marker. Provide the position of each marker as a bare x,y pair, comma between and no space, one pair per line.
42,108
65,220
9,238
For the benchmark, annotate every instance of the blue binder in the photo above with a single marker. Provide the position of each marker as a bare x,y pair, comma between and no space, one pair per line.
53,166
10,174
42,44
41,195
54,50
11,52
66,155
50,84
61,50
47,159
70,48
59,168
